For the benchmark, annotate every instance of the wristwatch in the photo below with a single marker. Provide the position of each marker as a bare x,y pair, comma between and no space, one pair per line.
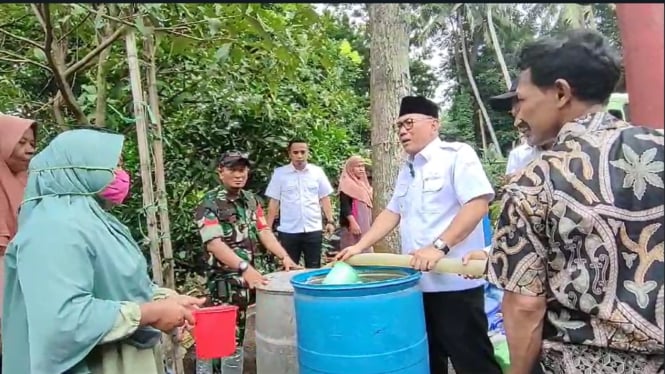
243,266
441,246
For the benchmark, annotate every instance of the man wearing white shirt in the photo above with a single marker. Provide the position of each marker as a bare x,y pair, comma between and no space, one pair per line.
298,191
526,152
520,157
441,195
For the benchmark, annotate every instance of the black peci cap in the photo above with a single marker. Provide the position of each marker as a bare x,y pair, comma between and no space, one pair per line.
418,105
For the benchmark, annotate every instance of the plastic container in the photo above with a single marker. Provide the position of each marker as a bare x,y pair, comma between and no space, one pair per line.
342,273
373,327
275,326
215,331
233,364
501,353
487,230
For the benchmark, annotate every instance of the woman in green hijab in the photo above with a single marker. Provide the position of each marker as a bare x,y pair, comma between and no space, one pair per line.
78,298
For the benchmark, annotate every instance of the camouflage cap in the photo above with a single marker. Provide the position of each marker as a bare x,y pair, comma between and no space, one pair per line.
231,158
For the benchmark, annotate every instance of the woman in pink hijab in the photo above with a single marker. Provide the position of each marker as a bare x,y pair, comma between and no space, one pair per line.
17,146
355,198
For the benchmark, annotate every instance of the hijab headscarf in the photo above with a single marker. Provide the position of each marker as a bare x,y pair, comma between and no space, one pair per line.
71,264
357,188
11,185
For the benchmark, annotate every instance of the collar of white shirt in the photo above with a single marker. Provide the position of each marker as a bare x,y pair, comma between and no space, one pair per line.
293,168
428,152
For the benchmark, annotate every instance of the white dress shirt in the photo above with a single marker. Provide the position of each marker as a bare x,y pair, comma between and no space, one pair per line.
445,177
299,193
520,157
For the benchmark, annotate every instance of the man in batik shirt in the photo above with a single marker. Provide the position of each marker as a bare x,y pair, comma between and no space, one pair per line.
578,247
232,227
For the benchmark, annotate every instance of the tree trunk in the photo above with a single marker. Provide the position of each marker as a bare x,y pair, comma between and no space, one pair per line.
482,132
497,46
389,82
162,203
144,156
160,179
100,107
474,88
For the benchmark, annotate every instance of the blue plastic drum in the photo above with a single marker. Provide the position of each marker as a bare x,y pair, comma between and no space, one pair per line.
374,327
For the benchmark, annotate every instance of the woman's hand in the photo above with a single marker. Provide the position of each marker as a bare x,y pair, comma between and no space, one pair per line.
170,313
189,302
354,228
180,331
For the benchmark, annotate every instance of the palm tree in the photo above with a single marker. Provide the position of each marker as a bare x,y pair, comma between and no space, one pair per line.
472,82
459,22
497,47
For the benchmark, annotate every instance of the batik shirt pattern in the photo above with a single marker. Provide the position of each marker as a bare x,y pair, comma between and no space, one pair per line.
582,225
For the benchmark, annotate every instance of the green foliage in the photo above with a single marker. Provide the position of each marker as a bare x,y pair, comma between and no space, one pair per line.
495,210
239,76
516,24
458,122
495,169
423,80
252,77
257,101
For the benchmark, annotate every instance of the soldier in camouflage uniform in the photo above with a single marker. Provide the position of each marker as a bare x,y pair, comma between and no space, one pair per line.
232,227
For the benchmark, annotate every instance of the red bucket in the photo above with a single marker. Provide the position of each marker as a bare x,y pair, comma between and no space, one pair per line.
215,331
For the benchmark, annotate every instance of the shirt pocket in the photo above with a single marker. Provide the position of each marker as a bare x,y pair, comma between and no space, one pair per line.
312,190
432,195
401,192
290,194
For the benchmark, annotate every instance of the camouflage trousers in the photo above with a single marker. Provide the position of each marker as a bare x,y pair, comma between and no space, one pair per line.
230,288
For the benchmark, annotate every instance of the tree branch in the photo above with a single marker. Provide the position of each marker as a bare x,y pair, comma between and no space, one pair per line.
168,30
18,58
26,40
14,21
39,15
100,105
74,28
57,64
95,52
57,112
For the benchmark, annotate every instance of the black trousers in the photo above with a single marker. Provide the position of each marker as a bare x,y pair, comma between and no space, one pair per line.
457,329
307,243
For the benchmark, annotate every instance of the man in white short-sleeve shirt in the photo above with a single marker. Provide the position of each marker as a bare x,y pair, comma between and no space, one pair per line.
520,157
440,198
526,152
298,191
